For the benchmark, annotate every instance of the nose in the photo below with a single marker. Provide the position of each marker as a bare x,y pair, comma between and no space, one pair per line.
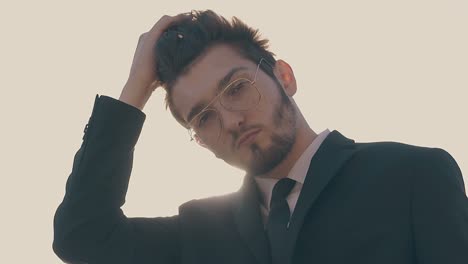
231,120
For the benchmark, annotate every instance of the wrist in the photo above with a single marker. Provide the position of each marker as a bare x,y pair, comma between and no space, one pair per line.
135,96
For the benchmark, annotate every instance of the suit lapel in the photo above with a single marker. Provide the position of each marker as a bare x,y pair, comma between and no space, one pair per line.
249,222
333,153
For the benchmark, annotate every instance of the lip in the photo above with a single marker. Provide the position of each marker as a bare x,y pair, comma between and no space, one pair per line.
247,136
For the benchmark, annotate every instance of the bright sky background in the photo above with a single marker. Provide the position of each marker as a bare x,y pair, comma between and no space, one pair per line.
373,70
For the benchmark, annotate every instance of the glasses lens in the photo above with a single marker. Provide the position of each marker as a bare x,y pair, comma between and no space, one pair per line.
207,126
240,95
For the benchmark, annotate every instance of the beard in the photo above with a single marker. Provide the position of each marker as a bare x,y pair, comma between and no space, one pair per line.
284,119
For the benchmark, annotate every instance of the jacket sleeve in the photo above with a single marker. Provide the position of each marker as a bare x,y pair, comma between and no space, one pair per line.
439,210
89,226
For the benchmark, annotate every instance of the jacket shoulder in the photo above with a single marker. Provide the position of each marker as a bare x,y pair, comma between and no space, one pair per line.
418,159
391,150
209,205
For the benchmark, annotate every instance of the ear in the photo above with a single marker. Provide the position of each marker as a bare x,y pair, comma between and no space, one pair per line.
285,75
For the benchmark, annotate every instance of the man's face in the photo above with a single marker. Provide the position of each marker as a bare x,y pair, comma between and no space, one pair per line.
273,117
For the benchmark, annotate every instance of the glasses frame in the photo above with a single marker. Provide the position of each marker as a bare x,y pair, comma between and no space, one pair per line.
252,82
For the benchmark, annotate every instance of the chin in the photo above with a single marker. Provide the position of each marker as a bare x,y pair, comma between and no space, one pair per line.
262,156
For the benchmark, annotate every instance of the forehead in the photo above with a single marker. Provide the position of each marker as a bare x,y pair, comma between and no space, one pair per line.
200,81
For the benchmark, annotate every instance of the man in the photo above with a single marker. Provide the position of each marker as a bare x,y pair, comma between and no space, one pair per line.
306,197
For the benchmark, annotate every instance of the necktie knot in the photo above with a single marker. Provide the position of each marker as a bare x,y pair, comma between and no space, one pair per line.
281,190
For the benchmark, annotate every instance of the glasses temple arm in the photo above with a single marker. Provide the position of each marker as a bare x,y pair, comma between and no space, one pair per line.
258,67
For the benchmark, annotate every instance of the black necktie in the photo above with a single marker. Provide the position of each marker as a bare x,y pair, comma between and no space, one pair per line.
278,219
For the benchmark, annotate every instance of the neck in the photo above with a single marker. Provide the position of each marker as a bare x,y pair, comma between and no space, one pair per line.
304,137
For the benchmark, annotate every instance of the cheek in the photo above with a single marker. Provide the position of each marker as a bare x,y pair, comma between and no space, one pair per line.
266,110
222,150
271,95
227,156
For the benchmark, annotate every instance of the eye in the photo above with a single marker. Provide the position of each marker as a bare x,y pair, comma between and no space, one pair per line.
237,87
204,118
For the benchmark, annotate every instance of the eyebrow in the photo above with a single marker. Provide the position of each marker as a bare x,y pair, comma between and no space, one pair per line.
221,85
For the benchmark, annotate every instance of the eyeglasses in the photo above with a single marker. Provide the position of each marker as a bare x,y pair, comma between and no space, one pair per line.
240,95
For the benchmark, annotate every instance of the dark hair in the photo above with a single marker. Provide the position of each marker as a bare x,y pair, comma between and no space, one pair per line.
182,43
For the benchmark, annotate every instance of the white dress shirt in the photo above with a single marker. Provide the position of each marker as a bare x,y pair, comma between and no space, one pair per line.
297,173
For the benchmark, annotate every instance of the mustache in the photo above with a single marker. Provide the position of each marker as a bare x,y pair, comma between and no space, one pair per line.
236,134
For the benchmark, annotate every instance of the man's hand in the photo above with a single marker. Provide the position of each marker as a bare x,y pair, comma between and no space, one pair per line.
138,88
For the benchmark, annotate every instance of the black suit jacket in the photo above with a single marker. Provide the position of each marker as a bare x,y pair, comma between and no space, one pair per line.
382,202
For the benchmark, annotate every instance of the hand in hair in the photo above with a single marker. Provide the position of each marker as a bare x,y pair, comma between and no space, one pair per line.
142,80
